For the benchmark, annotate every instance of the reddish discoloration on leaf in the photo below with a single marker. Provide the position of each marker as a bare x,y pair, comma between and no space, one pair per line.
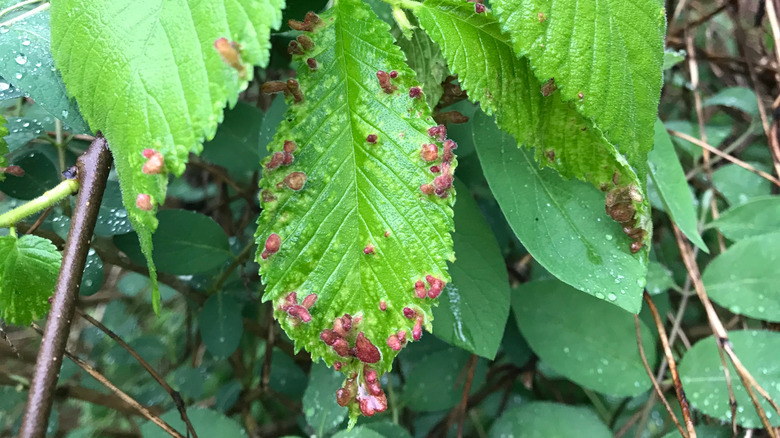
155,162
312,63
427,189
295,180
305,42
384,82
419,289
429,152
382,305
229,52
309,301
409,313
415,92
393,74
371,138
144,202
417,330
394,343
369,249
276,160
365,350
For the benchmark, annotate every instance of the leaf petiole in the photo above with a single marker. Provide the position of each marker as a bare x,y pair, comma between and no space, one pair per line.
46,200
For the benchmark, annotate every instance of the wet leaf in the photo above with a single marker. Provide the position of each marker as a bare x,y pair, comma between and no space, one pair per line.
609,53
135,106
669,179
758,216
3,146
705,384
740,185
659,279
28,271
112,216
26,62
584,339
549,420
207,423
353,226
322,412
93,276
436,382
235,145
741,98
221,325
473,309
40,175
505,84
561,223
21,131
744,279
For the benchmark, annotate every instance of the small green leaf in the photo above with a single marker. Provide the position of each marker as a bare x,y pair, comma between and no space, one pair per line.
705,384
740,185
669,179
741,98
322,412
221,325
549,420
235,145
744,279
473,309
673,57
358,231
40,175
22,131
28,271
584,339
26,62
561,223
659,279
605,56
504,84
207,423
425,58
758,216
136,106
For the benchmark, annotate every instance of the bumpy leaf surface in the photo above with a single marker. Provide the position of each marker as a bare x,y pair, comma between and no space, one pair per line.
425,58
358,233
607,56
150,77
3,146
28,271
503,83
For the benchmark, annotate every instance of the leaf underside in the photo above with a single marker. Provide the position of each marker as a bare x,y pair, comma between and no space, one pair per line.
356,194
28,271
150,77
503,83
610,51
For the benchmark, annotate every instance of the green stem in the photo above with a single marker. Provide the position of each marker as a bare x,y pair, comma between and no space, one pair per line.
46,200
408,4
238,260
23,16
17,6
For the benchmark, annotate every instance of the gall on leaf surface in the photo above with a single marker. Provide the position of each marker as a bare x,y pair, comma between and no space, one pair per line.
504,83
151,78
606,57
28,270
360,231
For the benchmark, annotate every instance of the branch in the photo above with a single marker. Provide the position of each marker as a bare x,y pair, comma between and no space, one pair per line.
92,168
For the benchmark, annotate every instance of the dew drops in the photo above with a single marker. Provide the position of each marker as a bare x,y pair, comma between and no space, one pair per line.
608,237
21,59
18,76
612,297
26,42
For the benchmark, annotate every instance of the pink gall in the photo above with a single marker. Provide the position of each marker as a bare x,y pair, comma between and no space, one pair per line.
341,347
415,92
276,160
394,343
300,312
369,249
144,202
371,138
228,51
382,305
393,74
309,301
427,189
417,330
429,152
365,350
419,289
305,42
154,165
479,8
409,313
289,146
273,243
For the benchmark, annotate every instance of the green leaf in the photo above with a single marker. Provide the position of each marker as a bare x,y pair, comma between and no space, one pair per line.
609,52
188,243
425,58
474,308
741,98
28,271
3,146
744,278
704,430
322,412
757,216
673,57
112,216
93,276
561,223
22,131
221,325
705,384
359,432
669,179
8,91
355,194
549,420
26,61
436,382
659,279
504,84
387,429
136,106
235,145
205,421
584,339
740,185
40,175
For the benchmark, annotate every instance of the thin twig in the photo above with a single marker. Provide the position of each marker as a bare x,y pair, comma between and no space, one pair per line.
471,368
657,387
141,409
728,157
659,325
720,332
93,168
39,221
177,400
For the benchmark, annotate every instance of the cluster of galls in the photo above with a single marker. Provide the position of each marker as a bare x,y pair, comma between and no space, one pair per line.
294,180
430,153
298,312
368,392
289,88
619,206
154,165
435,290
409,313
343,333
